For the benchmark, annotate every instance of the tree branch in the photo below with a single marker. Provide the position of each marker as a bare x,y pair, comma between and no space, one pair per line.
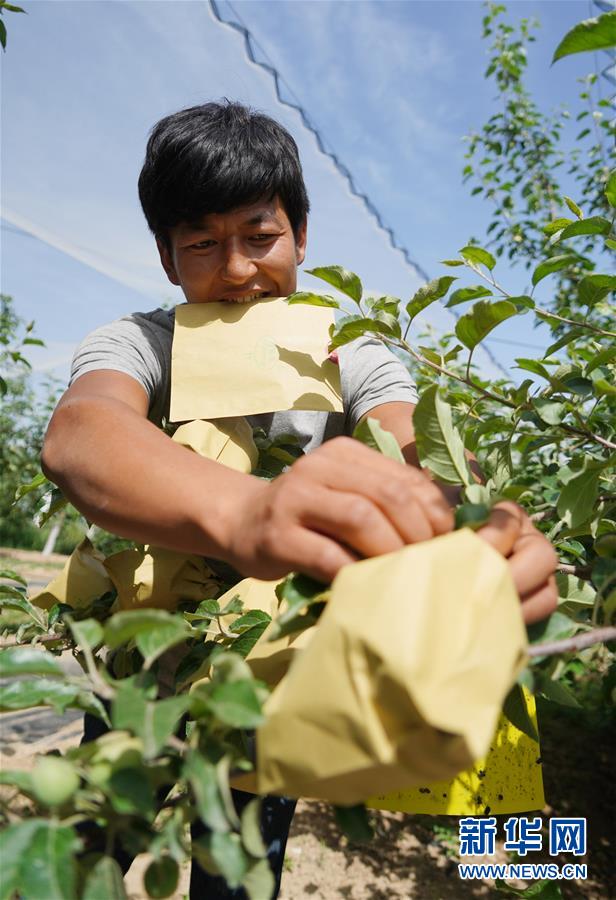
578,642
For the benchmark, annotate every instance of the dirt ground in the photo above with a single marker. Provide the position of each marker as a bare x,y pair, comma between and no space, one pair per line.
412,857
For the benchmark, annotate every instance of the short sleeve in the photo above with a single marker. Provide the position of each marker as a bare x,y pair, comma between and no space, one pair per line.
371,374
135,346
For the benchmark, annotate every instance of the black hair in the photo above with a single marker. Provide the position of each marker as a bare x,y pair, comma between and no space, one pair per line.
215,158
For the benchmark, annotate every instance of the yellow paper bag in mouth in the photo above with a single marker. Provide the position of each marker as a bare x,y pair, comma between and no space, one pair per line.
404,678
236,359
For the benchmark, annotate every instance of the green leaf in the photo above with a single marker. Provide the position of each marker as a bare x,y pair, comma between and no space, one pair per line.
124,626
105,880
341,279
3,43
153,721
28,661
252,838
556,626
249,620
313,299
593,225
26,693
610,189
556,225
236,704
610,243
478,256
11,598
428,293
194,660
13,576
351,329
575,209
574,591
154,642
248,639
17,778
471,515
604,387
591,34
439,444
533,365
224,850
259,881
578,497
131,792
554,264
593,288
555,691
516,711
369,432
468,293
452,262
203,779
38,860
297,591
572,335
550,411
24,489
473,327
354,822
57,501
87,632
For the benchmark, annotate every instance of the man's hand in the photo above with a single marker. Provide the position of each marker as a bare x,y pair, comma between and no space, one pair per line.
342,502
532,559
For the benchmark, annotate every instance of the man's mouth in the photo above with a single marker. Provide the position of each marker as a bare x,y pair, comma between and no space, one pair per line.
247,298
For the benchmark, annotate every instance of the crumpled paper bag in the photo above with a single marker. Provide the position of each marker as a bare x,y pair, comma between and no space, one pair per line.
156,578
507,780
228,441
235,359
404,678
81,581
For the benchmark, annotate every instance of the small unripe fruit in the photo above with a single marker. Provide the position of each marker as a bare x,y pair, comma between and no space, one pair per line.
161,877
54,780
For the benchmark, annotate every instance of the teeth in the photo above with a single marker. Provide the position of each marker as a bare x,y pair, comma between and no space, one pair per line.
247,299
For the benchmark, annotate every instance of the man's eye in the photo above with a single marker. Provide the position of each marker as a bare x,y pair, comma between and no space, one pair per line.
203,245
261,237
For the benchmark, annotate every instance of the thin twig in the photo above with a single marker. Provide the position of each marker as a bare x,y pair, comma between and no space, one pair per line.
579,642
578,571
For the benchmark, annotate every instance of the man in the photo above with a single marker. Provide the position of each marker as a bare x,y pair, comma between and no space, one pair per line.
223,193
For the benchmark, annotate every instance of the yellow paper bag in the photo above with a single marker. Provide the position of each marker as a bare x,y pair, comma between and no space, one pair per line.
404,678
157,578
234,359
228,441
81,581
508,780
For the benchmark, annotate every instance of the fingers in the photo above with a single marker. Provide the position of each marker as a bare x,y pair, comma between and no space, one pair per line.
532,562
504,527
405,496
532,559
541,603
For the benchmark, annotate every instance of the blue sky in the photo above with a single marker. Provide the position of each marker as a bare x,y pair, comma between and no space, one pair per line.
393,87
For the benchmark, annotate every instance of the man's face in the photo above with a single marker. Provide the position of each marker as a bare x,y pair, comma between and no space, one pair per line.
237,256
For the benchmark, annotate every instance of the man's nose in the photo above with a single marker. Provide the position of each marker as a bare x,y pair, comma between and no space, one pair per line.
237,265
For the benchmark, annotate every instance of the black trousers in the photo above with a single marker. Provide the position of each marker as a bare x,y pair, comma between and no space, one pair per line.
276,817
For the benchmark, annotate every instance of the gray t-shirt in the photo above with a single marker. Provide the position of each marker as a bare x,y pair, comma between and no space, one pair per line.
140,346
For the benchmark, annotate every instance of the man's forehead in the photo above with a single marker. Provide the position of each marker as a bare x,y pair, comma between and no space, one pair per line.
253,214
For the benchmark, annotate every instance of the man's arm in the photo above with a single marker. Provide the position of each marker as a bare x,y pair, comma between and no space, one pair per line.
532,558
342,502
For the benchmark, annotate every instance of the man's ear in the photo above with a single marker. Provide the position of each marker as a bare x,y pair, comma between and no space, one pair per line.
167,261
300,243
